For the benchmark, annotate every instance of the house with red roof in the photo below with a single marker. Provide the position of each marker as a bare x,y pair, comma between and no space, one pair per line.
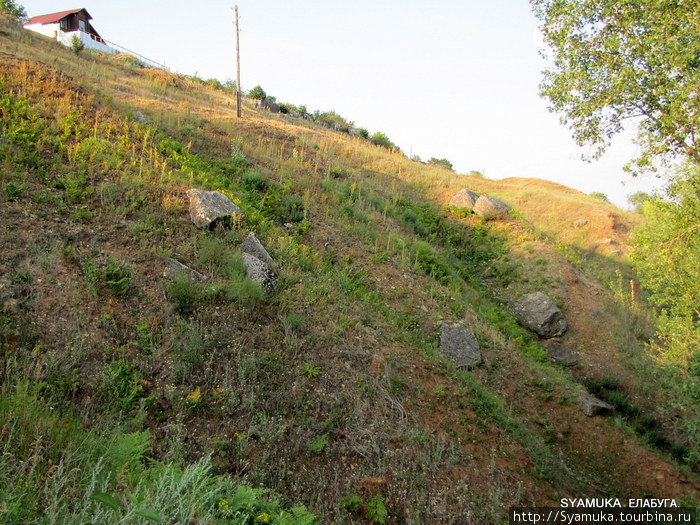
64,25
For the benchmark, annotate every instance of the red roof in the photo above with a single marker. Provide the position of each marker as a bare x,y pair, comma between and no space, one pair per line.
55,17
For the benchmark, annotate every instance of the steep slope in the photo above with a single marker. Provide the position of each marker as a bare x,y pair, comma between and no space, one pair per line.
331,393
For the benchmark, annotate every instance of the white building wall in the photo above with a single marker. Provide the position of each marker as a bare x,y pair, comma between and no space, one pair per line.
54,31
50,30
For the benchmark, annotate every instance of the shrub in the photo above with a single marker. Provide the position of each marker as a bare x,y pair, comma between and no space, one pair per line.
599,195
380,139
76,44
442,163
183,292
258,93
254,181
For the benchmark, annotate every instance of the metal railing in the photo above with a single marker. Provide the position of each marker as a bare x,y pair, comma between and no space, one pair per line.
144,60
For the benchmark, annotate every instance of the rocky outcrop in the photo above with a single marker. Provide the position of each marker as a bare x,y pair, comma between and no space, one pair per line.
173,268
592,406
536,312
269,105
209,208
252,245
464,199
580,223
490,208
559,353
460,345
261,273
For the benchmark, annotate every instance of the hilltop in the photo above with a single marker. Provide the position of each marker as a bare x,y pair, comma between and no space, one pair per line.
118,381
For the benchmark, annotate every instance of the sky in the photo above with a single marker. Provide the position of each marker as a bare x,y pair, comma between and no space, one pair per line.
454,79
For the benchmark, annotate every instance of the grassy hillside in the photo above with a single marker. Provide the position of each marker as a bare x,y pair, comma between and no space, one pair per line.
124,394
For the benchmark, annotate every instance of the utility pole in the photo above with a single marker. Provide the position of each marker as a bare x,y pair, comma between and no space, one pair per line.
238,69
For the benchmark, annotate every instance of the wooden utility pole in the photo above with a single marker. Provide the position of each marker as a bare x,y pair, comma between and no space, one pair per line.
238,69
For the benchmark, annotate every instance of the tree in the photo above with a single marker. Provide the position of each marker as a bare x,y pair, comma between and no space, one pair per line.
443,163
600,195
258,93
13,9
638,200
625,60
639,60
380,139
667,256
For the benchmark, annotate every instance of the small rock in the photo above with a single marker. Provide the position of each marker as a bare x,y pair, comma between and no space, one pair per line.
592,406
464,199
559,353
261,273
460,345
252,245
207,208
173,267
141,118
537,312
490,208
580,223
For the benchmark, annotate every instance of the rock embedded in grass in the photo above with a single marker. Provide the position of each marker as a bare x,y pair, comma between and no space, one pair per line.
490,208
252,245
592,406
173,267
538,313
261,273
460,345
559,353
208,208
464,199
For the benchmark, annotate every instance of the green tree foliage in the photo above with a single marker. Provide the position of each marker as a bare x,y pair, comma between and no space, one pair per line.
443,163
638,200
13,9
380,139
334,121
600,195
619,60
76,44
667,253
258,93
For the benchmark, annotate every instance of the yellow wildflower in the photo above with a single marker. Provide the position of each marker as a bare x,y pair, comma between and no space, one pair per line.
195,396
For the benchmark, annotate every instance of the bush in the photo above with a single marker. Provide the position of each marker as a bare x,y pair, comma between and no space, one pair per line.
254,181
183,292
443,163
380,139
76,44
258,93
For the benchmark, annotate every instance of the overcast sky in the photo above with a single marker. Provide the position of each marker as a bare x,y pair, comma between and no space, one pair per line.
455,79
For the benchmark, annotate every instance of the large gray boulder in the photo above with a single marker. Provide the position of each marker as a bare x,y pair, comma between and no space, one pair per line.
592,406
559,353
490,208
252,245
460,345
261,273
536,312
173,267
464,199
208,208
